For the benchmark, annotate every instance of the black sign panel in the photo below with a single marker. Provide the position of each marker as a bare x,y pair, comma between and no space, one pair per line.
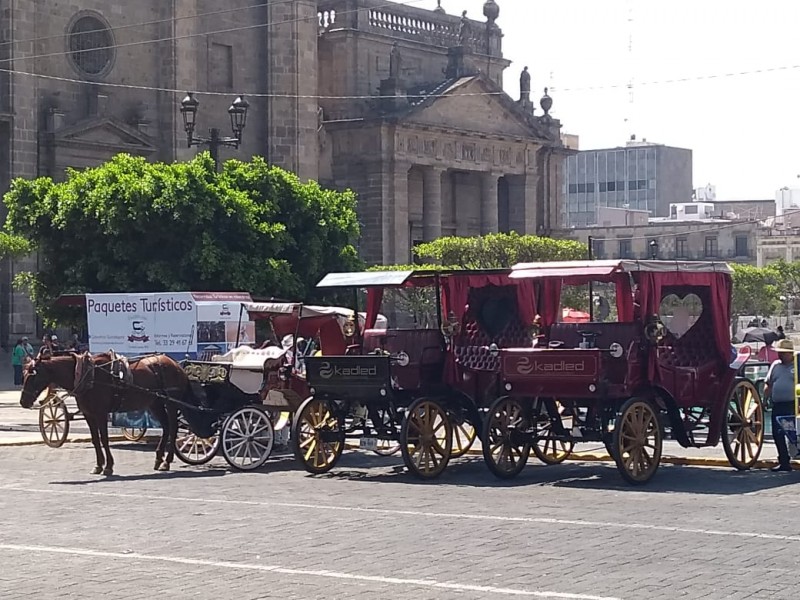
341,373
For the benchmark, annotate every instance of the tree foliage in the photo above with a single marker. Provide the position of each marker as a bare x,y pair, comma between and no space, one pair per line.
754,291
498,250
130,225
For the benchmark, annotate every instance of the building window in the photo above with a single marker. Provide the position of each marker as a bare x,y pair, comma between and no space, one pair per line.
581,188
690,209
741,245
573,188
711,247
91,45
681,248
598,249
612,186
604,187
590,187
625,249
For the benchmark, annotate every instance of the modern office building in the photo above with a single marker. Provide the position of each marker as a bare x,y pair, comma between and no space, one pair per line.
639,176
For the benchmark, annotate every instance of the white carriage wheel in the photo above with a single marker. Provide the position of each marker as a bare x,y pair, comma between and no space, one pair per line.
247,438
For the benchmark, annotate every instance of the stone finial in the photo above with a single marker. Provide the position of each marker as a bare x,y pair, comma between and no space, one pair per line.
438,8
525,86
491,11
546,103
463,30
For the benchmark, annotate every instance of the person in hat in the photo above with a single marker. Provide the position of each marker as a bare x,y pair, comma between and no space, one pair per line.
22,353
780,388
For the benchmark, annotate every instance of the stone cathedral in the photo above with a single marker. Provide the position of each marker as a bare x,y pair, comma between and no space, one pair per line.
403,105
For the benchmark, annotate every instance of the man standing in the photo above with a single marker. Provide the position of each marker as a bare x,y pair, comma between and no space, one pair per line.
780,387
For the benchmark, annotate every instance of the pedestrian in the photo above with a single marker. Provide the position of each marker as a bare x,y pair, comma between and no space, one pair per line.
781,334
19,357
74,344
764,323
54,346
780,388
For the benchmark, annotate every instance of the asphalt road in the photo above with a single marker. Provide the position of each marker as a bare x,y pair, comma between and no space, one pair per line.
368,530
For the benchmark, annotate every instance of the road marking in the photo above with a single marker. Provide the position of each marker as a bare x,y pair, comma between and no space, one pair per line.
429,583
419,513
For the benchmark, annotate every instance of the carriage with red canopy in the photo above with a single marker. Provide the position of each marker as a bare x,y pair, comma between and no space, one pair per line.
666,363
423,380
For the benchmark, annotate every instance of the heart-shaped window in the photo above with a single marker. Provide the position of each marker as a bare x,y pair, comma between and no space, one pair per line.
679,314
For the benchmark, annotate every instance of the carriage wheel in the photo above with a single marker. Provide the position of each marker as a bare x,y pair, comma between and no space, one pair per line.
464,435
426,439
506,441
743,430
192,449
133,434
246,438
54,421
547,448
387,448
637,441
317,436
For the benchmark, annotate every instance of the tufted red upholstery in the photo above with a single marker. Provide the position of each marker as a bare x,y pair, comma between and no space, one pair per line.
694,349
471,345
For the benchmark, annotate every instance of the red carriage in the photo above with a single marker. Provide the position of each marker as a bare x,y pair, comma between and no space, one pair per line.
666,363
422,381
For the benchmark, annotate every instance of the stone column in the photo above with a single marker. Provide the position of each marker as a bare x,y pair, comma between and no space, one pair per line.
432,204
489,208
400,224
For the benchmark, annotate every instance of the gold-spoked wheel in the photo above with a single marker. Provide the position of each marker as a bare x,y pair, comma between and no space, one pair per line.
317,436
743,425
638,440
506,438
54,421
426,438
387,448
133,434
464,434
547,448
193,449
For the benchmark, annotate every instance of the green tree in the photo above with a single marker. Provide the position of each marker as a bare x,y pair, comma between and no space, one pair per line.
786,276
754,291
498,250
130,225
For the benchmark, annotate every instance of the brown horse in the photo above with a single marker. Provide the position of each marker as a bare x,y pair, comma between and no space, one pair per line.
99,392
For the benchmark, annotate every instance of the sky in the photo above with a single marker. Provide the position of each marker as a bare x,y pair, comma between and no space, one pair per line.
742,129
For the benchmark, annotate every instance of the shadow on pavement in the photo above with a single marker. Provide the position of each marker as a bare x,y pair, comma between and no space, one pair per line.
472,472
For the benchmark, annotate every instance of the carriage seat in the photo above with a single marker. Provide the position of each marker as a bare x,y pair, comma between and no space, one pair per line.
472,346
425,347
622,333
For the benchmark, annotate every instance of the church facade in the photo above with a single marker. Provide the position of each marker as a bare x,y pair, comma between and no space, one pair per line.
402,105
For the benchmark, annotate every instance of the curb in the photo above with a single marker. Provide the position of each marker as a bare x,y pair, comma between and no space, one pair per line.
74,440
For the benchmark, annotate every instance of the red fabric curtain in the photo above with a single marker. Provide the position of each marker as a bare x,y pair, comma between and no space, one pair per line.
526,300
374,299
624,298
550,301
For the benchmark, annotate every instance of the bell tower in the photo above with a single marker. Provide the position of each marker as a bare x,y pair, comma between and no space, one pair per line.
293,113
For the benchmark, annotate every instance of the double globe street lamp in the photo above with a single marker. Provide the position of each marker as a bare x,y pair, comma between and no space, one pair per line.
238,114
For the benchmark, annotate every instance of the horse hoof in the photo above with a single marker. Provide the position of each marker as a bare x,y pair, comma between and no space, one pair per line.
108,472
163,466
157,466
97,470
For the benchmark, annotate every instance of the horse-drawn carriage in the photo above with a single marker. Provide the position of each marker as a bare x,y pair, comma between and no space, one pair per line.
666,363
422,381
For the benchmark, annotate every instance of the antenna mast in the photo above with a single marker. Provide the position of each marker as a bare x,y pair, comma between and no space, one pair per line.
629,119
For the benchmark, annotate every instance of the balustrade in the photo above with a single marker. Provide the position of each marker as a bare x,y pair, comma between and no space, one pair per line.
401,22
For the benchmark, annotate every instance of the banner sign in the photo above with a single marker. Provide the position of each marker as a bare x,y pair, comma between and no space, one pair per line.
142,323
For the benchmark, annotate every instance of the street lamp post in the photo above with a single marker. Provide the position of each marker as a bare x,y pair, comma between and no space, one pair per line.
238,115
654,249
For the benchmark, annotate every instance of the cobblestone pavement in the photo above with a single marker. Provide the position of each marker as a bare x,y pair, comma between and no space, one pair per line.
369,530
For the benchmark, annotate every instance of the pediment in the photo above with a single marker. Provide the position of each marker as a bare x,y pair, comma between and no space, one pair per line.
105,133
470,104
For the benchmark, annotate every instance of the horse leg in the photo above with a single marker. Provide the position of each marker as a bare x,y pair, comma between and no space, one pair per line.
93,430
103,426
172,419
157,408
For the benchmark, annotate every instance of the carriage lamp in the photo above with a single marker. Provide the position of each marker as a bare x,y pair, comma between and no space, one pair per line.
349,327
238,114
494,351
653,249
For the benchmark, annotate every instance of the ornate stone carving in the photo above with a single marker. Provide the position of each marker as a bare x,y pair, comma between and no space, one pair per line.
505,156
449,151
413,145
486,155
468,152
429,147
